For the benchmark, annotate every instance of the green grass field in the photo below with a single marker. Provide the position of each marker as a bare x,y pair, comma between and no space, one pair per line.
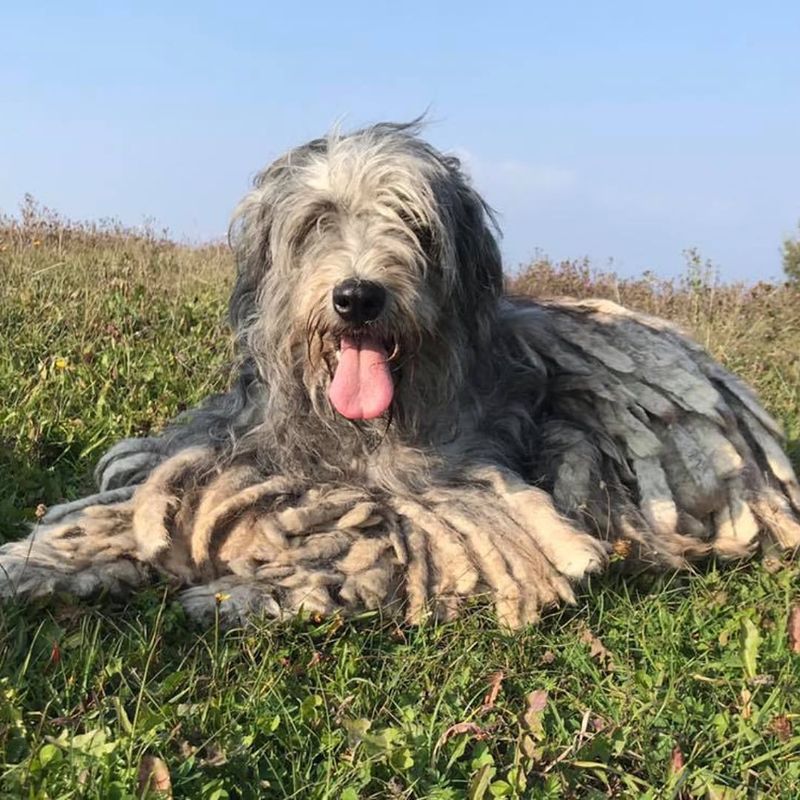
681,686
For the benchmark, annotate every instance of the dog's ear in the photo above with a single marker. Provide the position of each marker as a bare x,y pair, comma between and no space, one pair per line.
249,236
480,279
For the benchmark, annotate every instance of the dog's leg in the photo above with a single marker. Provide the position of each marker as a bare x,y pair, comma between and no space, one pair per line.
233,598
92,553
573,553
68,512
326,550
129,462
465,543
237,599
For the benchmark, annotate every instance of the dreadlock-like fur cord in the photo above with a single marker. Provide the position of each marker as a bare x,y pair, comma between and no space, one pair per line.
516,442
282,545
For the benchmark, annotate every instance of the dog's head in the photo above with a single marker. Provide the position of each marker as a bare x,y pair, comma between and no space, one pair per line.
367,268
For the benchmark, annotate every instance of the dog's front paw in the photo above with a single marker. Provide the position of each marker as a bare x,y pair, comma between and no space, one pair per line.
577,555
230,599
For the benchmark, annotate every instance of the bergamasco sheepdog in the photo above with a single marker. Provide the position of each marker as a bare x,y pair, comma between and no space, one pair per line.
403,435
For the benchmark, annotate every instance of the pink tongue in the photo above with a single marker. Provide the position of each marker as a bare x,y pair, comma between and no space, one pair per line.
362,387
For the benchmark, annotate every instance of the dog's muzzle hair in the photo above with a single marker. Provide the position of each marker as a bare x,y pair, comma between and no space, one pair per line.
404,435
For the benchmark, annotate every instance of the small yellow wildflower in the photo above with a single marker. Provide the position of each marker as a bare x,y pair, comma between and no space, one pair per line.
221,597
60,363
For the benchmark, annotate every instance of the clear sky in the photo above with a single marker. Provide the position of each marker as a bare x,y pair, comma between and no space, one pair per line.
618,130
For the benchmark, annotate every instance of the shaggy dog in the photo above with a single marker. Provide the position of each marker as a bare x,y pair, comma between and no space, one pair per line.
403,435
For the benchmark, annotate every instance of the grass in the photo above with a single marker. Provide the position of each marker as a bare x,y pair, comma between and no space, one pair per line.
681,686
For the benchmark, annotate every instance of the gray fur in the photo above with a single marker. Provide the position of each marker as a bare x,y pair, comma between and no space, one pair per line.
524,438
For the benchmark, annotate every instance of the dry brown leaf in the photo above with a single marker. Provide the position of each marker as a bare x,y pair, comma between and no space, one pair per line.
781,726
597,650
529,749
495,682
676,761
621,548
548,657
537,701
534,709
462,727
315,659
215,756
599,724
153,778
745,709
794,629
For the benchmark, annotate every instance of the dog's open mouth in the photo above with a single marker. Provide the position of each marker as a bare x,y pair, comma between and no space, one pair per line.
362,385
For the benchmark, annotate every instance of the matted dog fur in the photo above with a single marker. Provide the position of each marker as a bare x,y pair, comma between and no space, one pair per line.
403,435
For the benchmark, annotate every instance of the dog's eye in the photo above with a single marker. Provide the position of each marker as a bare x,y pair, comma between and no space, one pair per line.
421,232
322,220
320,224
425,238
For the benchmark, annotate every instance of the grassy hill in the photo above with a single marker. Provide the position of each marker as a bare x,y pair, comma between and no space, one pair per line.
681,686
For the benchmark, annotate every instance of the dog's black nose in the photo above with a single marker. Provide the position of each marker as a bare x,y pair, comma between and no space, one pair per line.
359,302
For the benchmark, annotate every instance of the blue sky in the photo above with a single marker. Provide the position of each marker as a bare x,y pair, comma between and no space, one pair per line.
617,130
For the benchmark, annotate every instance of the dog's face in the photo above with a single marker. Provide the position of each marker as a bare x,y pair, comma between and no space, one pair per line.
361,258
